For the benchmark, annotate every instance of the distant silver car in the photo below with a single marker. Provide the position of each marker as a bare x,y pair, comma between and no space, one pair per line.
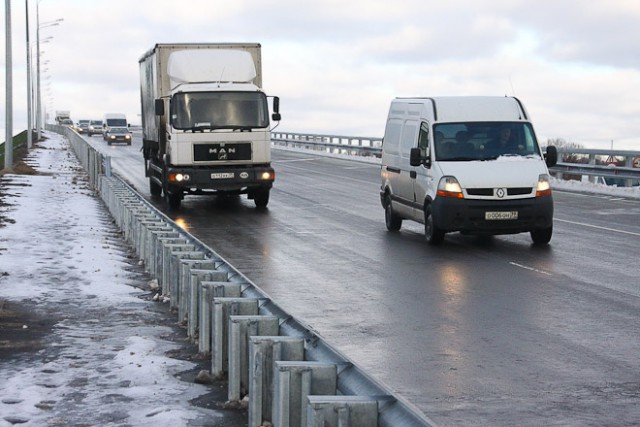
118,134
95,127
82,126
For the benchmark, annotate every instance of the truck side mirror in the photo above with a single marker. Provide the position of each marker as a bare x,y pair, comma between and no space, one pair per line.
159,107
276,109
551,157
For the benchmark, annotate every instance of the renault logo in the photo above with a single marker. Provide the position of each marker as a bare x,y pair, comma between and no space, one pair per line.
501,192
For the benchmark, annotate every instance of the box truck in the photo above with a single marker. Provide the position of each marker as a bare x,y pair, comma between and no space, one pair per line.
468,164
205,121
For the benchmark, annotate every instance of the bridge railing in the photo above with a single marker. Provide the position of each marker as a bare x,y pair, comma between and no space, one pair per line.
613,174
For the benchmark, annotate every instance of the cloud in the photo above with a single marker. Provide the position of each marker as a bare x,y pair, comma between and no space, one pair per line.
336,65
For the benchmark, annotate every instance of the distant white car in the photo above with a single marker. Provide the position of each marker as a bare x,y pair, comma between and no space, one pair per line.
95,127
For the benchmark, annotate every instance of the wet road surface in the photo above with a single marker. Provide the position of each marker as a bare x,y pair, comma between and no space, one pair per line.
479,331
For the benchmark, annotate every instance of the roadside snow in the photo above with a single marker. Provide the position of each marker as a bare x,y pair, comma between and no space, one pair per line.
104,361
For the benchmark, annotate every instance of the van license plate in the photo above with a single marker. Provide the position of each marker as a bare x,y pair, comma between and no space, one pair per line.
225,175
491,216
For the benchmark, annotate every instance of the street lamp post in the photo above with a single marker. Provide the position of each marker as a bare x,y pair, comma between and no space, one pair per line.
38,96
8,145
29,106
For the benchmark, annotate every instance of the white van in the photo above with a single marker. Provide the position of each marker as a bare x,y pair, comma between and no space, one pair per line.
112,120
467,164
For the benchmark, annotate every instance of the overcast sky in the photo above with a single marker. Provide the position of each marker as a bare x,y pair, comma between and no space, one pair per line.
336,65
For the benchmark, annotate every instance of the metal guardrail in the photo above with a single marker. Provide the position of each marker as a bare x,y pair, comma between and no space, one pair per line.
291,375
366,146
354,145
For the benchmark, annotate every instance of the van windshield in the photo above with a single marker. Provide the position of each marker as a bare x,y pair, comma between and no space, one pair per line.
197,111
484,140
116,122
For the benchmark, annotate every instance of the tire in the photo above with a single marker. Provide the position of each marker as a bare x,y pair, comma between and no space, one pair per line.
542,236
154,188
391,220
433,234
173,198
261,198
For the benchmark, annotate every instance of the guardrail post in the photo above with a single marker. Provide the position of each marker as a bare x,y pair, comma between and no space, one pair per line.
592,161
264,351
199,273
294,382
175,274
167,253
209,291
342,411
241,328
223,309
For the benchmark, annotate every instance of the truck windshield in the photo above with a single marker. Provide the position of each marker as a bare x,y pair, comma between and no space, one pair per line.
484,140
219,110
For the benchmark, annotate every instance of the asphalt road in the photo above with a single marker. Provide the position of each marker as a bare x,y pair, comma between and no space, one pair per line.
478,331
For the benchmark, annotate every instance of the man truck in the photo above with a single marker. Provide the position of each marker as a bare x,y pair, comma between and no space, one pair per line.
205,121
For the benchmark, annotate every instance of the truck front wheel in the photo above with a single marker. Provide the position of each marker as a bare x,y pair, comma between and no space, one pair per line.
261,198
154,188
173,197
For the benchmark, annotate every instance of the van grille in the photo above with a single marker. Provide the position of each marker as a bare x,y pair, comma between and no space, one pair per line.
488,192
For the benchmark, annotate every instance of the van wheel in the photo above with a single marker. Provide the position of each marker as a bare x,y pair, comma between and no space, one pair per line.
542,236
433,234
391,220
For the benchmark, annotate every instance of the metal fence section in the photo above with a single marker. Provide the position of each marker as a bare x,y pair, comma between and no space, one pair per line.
290,374
94,162
626,175
353,145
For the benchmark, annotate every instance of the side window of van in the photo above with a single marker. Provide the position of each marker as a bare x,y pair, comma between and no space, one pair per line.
408,141
392,136
423,140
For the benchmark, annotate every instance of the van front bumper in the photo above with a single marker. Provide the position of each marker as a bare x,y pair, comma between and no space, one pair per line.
469,215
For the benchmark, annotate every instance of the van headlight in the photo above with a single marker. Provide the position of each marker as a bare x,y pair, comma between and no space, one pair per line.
449,187
544,186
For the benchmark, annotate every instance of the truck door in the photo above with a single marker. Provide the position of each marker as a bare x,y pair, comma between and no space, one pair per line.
423,184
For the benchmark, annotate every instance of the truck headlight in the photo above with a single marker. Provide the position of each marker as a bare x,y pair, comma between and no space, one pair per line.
267,176
544,186
449,187
180,177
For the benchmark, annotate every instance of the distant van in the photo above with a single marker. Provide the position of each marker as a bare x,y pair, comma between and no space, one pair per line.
467,164
113,120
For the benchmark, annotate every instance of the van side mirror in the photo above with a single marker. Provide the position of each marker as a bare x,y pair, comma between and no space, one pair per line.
416,159
551,156
159,107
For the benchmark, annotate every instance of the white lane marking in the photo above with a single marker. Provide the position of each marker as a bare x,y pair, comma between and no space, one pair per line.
530,268
631,233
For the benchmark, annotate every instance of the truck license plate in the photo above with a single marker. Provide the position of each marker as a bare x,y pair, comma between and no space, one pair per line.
225,175
508,215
